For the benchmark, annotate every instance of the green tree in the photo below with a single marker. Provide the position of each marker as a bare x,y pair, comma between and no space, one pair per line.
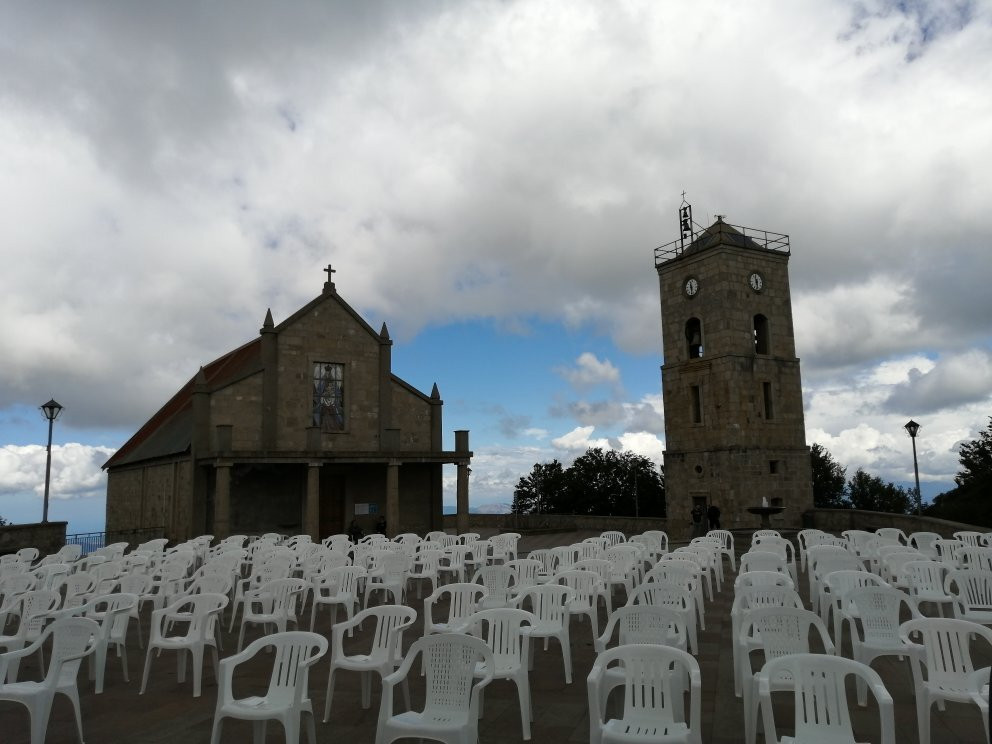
969,501
600,481
829,479
976,459
538,492
871,493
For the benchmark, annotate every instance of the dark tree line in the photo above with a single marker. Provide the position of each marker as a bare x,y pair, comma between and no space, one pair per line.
833,490
601,481
968,502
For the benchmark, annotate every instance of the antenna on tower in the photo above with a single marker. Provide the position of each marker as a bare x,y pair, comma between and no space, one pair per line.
685,222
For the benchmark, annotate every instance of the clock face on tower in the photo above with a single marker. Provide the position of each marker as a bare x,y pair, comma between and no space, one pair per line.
756,281
691,286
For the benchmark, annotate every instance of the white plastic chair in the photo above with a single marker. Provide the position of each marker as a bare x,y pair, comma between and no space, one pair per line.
72,639
452,698
944,651
925,582
747,579
603,569
424,569
833,599
463,601
682,569
780,546
505,631
525,573
626,571
548,605
653,701
27,555
199,613
726,538
339,586
924,542
808,538
35,609
892,533
820,698
113,612
385,651
388,575
589,589
498,580
273,605
746,600
971,592
547,560
661,537
287,699
452,563
970,537
675,597
266,567
825,563
875,625
776,632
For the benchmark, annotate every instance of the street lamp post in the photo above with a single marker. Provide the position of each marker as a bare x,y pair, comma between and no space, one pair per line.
51,409
913,429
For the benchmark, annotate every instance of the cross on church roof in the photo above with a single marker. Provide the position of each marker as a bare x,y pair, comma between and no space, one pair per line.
330,271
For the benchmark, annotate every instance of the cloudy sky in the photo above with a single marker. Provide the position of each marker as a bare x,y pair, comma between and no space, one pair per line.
490,180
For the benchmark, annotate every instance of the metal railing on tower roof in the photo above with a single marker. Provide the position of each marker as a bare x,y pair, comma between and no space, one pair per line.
722,233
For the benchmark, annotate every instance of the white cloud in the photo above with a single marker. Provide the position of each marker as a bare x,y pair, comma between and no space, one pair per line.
579,439
590,371
955,380
643,443
75,472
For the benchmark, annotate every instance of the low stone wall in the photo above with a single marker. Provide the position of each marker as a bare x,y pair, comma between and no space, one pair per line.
838,520
48,537
556,523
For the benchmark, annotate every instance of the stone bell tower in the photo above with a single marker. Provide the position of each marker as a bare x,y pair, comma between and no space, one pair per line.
733,399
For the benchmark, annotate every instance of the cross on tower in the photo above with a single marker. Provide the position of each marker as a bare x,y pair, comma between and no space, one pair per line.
329,284
329,271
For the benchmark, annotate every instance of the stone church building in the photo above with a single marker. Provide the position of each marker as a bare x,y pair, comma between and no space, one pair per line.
299,430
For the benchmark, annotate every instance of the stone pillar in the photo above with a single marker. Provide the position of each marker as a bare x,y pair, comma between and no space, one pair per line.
392,498
461,498
222,500
270,382
311,505
461,488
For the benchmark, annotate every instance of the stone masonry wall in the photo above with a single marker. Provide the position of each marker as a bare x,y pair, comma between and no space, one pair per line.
328,333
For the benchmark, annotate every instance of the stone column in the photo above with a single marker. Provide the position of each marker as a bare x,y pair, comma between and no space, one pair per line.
392,498
311,505
461,497
222,500
461,488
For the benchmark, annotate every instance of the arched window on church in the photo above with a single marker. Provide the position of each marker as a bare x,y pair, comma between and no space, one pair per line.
760,334
694,337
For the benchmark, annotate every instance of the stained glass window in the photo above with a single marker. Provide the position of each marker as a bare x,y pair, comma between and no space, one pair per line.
328,396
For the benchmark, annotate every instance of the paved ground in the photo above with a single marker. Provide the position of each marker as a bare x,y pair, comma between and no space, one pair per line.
168,714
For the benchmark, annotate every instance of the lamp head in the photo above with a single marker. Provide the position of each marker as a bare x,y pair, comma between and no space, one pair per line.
913,428
51,409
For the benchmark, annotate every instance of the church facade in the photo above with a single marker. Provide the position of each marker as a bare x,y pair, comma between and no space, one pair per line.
734,426
300,430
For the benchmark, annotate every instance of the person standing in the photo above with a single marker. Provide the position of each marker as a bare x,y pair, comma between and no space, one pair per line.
698,526
713,516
